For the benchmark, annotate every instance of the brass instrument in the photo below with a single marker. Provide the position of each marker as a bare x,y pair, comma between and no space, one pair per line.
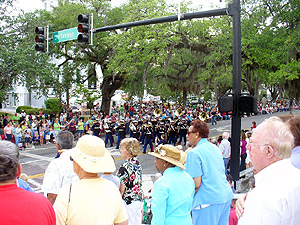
157,112
203,116
179,112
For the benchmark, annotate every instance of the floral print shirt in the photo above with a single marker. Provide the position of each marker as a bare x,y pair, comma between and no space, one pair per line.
130,174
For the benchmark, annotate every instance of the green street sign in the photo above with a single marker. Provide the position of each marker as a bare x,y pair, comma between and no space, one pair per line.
65,35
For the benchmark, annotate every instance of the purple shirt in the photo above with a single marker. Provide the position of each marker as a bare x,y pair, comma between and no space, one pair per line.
295,157
243,146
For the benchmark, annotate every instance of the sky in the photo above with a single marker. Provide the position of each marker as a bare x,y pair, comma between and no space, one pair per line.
37,4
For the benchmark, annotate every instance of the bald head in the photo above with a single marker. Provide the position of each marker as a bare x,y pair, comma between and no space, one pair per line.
271,141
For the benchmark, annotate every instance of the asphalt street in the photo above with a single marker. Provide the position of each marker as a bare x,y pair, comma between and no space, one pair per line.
35,161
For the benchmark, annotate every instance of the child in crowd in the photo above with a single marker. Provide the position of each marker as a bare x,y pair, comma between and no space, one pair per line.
233,220
28,136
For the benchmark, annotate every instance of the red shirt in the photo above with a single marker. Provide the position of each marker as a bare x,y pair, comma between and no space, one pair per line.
18,206
233,220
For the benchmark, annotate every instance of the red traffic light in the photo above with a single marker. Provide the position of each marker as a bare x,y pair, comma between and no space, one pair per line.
40,38
83,28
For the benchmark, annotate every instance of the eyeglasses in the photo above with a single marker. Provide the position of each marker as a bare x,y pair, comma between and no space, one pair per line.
261,145
191,132
71,158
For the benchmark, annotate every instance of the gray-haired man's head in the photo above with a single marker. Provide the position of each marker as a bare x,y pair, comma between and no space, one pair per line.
65,139
9,161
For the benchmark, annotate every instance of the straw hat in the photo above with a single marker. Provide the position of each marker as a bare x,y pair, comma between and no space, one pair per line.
168,153
92,156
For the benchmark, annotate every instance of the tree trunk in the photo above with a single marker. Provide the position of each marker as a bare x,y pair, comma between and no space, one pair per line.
68,97
109,86
184,98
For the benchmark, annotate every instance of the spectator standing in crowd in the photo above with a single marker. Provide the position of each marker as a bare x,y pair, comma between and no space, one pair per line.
72,126
56,127
91,200
34,128
294,124
225,148
60,170
18,206
173,193
130,174
42,128
243,151
248,160
16,119
272,202
212,199
18,135
80,128
8,132
233,220
28,136
253,125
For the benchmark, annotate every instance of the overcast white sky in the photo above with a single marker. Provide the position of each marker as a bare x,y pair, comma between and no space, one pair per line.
30,5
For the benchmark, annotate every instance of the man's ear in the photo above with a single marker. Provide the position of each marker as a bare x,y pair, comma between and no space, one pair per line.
58,147
19,170
270,152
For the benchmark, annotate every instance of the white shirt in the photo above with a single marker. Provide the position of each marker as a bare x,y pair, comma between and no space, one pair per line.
276,198
225,148
58,173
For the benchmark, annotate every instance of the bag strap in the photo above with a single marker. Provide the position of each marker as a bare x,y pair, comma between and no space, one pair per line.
69,202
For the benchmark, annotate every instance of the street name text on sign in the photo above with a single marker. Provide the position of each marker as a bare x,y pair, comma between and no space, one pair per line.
65,35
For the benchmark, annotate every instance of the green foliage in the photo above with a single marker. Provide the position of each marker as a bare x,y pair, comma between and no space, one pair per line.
207,96
85,95
53,104
169,59
20,108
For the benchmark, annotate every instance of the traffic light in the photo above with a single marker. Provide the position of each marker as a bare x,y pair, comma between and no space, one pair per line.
225,103
247,104
41,39
85,28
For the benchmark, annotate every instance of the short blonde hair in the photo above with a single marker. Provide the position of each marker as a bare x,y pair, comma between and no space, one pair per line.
132,146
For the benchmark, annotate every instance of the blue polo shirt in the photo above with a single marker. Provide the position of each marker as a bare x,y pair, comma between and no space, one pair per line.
206,160
172,198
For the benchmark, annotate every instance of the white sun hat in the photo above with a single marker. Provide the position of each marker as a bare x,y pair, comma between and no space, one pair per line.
92,156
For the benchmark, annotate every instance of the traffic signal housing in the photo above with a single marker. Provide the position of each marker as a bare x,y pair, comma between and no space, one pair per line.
225,103
40,39
246,103
85,28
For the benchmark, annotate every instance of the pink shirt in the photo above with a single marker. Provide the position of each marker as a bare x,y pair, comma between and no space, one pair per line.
8,130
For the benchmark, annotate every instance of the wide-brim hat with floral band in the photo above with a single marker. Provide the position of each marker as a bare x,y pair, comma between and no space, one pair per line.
168,153
92,156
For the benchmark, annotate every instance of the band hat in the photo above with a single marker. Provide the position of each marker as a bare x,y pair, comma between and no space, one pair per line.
168,153
92,156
